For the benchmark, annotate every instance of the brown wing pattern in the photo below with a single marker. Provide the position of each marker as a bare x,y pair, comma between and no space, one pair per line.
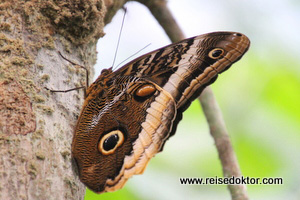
130,113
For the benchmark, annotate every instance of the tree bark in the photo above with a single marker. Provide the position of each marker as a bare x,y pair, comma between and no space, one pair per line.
36,126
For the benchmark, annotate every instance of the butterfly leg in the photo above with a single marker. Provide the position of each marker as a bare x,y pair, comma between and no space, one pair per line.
76,88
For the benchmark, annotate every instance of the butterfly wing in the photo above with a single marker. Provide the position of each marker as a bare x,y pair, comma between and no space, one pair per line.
119,131
129,114
185,68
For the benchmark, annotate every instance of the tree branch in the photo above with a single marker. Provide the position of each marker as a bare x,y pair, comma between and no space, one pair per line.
209,104
219,133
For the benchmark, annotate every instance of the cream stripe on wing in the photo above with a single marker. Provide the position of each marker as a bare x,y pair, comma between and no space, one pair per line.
150,139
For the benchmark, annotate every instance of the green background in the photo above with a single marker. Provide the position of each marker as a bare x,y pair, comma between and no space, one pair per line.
259,97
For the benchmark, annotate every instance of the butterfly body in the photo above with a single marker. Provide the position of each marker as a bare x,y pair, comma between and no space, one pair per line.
129,114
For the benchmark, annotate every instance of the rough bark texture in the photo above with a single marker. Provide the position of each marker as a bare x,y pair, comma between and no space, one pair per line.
36,126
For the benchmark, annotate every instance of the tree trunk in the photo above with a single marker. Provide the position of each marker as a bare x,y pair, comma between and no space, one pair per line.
36,126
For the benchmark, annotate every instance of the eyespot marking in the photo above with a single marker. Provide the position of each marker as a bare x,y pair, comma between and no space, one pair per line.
145,91
216,53
237,34
110,142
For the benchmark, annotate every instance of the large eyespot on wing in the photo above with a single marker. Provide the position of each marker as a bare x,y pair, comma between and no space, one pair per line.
109,143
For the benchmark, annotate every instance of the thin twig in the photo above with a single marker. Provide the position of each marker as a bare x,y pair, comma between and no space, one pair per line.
209,104
163,15
219,133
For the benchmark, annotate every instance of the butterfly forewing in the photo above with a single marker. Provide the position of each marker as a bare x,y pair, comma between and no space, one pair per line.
177,67
130,113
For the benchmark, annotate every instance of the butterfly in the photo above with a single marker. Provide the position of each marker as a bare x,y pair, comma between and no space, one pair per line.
128,114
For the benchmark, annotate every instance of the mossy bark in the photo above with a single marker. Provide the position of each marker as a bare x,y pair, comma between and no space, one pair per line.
36,126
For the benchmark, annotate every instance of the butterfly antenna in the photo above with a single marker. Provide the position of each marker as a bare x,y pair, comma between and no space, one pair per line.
118,44
134,54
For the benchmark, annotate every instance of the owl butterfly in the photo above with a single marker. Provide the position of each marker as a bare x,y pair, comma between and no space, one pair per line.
128,114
